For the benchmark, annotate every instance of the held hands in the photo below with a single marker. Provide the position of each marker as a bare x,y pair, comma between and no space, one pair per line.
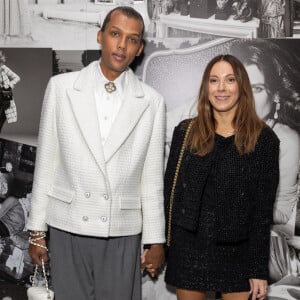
259,288
152,259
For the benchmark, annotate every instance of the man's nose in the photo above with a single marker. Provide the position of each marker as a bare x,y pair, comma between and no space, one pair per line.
122,43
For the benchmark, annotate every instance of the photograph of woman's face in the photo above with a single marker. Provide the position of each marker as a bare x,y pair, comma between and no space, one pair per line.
263,103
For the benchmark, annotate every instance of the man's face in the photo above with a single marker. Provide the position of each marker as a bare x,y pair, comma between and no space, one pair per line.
120,42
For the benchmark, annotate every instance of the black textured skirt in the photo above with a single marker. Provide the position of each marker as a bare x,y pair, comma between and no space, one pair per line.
197,262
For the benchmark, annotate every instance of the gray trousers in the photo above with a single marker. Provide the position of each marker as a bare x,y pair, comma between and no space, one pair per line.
91,268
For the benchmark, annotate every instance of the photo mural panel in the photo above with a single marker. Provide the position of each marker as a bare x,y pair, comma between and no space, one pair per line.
36,23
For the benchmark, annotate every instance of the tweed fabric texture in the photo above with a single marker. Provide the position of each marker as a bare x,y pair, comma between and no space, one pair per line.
8,78
83,187
234,222
11,112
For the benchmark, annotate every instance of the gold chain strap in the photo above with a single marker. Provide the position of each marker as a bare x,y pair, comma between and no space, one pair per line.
175,181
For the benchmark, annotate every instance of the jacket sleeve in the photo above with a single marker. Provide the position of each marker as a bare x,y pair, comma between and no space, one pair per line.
262,208
152,180
46,158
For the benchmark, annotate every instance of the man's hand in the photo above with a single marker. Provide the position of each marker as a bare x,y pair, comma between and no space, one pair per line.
37,253
153,259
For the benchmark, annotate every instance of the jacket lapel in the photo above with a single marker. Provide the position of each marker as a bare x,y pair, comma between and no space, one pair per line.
130,112
83,104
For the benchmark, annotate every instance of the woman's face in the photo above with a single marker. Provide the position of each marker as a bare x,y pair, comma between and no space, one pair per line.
263,104
223,89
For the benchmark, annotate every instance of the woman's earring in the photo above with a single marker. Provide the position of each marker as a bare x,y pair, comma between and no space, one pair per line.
277,106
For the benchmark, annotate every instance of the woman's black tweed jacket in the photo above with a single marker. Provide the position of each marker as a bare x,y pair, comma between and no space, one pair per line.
245,192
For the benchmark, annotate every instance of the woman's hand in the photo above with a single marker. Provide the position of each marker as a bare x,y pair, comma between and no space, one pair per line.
259,288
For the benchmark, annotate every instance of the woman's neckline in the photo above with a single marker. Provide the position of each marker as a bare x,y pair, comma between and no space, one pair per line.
225,136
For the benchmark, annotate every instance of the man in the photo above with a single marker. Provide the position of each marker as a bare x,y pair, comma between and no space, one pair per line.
99,172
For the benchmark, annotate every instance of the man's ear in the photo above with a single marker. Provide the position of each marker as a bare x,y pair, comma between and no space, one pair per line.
99,37
140,50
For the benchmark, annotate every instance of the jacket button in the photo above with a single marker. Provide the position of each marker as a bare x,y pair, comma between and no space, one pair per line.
87,195
187,157
105,196
85,218
184,185
242,194
103,218
183,211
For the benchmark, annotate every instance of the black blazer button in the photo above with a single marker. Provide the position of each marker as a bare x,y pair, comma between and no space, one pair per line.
184,185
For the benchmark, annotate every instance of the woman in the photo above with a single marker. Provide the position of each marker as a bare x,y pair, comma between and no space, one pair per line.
222,207
275,83
8,80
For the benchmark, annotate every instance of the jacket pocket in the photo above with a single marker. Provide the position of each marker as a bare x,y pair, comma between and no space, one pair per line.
61,194
130,203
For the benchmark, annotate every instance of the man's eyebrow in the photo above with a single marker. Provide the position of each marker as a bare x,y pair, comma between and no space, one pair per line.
129,33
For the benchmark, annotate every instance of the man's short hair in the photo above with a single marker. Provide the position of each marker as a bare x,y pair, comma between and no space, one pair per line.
128,12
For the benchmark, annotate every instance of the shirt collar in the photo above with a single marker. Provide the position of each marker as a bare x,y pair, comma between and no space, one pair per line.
119,81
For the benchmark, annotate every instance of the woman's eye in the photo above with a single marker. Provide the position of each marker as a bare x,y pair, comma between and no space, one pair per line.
231,80
257,89
213,80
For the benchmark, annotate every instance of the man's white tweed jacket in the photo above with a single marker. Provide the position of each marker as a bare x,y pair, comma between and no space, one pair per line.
85,188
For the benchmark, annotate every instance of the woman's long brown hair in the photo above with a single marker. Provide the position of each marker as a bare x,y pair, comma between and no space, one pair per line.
246,123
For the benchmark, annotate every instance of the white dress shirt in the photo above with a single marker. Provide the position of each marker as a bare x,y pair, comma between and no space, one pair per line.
108,104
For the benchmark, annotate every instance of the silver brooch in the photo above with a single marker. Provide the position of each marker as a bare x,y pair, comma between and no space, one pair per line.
110,87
